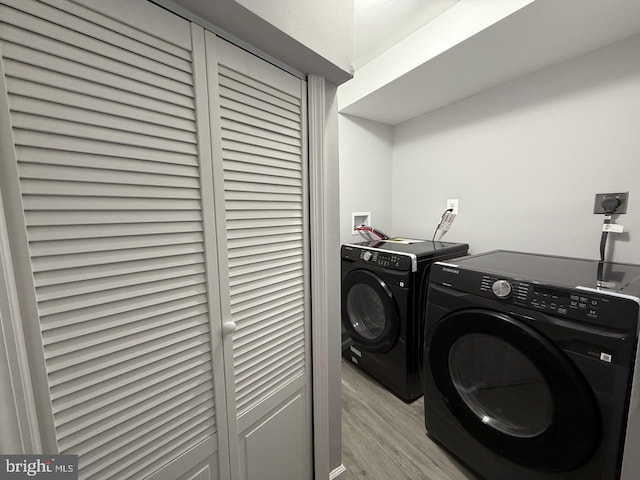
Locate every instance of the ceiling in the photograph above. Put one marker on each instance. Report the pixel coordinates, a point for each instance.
(381, 24)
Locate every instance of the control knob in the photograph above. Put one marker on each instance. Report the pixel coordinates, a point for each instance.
(366, 256)
(501, 288)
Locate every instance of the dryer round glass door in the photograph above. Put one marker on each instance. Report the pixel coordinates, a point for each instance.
(513, 390)
(506, 390)
(369, 312)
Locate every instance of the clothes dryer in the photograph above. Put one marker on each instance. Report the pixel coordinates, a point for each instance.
(383, 291)
(531, 366)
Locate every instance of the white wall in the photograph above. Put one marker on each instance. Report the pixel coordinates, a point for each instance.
(311, 37)
(325, 27)
(365, 151)
(400, 66)
(526, 158)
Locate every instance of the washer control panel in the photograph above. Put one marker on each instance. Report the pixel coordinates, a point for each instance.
(394, 261)
(383, 259)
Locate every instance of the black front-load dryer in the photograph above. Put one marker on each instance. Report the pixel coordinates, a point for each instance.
(530, 366)
(383, 285)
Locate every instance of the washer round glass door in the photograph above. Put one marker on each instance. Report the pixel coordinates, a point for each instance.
(369, 312)
(513, 390)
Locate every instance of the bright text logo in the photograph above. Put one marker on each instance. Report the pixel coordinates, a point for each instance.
(40, 467)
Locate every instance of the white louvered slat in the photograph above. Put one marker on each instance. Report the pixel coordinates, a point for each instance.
(17, 74)
(71, 174)
(64, 383)
(248, 348)
(119, 455)
(288, 370)
(261, 312)
(237, 94)
(170, 412)
(263, 124)
(62, 277)
(58, 320)
(65, 397)
(116, 121)
(153, 171)
(122, 31)
(263, 232)
(233, 225)
(40, 91)
(239, 136)
(51, 23)
(104, 125)
(116, 400)
(267, 358)
(46, 36)
(45, 140)
(110, 296)
(83, 68)
(71, 129)
(254, 88)
(58, 292)
(125, 217)
(246, 252)
(257, 160)
(172, 420)
(264, 205)
(122, 242)
(288, 254)
(250, 277)
(233, 148)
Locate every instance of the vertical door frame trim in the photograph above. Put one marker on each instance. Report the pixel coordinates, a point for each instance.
(26, 383)
(21, 410)
(200, 52)
(222, 260)
(319, 267)
(307, 262)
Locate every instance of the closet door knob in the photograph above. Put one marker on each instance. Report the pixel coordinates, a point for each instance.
(228, 327)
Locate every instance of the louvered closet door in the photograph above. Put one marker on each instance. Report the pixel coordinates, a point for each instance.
(117, 234)
(262, 204)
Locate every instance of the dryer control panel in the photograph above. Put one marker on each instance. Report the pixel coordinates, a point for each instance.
(579, 304)
(550, 299)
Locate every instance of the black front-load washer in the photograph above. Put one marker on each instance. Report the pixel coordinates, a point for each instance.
(382, 283)
(530, 363)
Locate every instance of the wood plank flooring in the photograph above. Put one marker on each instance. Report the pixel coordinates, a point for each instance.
(384, 438)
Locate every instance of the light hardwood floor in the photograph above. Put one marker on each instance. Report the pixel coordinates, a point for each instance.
(384, 438)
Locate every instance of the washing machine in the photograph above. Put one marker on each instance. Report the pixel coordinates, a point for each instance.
(383, 285)
(531, 368)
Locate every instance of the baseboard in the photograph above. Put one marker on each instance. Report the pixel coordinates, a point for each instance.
(336, 473)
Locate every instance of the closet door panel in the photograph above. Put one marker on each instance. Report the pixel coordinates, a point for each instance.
(262, 200)
(119, 249)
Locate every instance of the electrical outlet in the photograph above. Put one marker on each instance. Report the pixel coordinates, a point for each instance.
(622, 208)
(453, 204)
